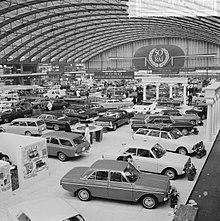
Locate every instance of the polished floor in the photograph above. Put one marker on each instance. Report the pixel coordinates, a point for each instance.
(101, 209)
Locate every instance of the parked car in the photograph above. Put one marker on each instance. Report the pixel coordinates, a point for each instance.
(13, 113)
(56, 93)
(115, 103)
(113, 119)
(152, 157)
(25, 126)
(177, 116)
(65, 144)
(44, 209)
(58, 121)
(117, 180)
(169, 102)
(171, 140)
(83, 114)
(200, 110)
(164, 122)
(144, 107)
(57, 104)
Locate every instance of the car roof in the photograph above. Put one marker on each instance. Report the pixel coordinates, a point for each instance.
(166, 129)
(62, 134)
(158, 116)
(54, 209)
(110, 165)
(140, 144)
(27, 119)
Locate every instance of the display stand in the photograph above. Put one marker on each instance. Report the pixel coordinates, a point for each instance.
(185, 212)
(96, 132)
(5, 179)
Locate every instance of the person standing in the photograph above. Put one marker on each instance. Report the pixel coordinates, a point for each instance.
(87, 135)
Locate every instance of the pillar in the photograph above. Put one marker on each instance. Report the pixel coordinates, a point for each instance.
(171, 90)
(144, 92)
(157, 91)
(184, 94)
(209, 120)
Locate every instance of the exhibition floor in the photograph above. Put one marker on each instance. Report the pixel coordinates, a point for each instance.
(99, 209)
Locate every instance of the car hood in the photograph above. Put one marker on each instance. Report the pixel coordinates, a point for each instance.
(153, 181)
(187, 141)
(73, 174)
(173, 158)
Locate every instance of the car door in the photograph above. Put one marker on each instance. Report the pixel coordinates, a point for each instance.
(119, 188)
(53, 146)
(23, 127)
(13, 127)
(145, 160)
(166, 140)
(98, 183)
(153, 135)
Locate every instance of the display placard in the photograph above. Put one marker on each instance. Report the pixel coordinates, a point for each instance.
(114, 75)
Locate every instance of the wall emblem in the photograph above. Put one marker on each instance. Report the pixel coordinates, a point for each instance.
(159, 57)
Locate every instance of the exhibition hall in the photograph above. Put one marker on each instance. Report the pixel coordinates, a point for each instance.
(109, 110)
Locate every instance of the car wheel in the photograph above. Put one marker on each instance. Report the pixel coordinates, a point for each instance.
(28, 133)
(115, 126)
(203, 117)
(128, 122)
(6, 120)
(171, 173)
(185, 131)
(84, 195)
(61, 156)
(193, 122)
(56, 127)
(182, 150)
(149, 202)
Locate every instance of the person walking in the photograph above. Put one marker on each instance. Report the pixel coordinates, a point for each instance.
(87, 135)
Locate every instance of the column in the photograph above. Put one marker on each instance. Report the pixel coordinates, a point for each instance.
(209, 120)
(144, 92)
(184, 94)
(157, 91)
(171, 90)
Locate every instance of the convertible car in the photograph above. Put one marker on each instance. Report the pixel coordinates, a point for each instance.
(117, 180)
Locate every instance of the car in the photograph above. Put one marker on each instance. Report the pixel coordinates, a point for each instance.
(177, 116)
(113, 119)
(44, 209)
(171, 140)
(56, 104)
(83, 114)
(58, 121)
(13, 113)
(56, 93)
(65, 144)
(25, 126)
(169, 102)
(152, 157)
(200, 110)
(119, 180)
(115, 103)
(145, 107)
(164, 122)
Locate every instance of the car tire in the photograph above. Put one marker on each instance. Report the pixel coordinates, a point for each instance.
(182, 150)
(193, 122)
(149, 202)
(171, 173)
(185, 131)
(56, 127)
(61, 156)
(84, 194)
(6, 120)
(27, 133)
(203, 117)
(115, 126)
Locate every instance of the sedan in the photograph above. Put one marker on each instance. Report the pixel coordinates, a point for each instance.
(171, 140)
(55, 209)
(152, 157)
(117, 180)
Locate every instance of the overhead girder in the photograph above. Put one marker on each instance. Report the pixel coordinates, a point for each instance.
(80, 29)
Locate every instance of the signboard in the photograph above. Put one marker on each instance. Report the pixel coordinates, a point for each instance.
(159, 57)
(114, 75)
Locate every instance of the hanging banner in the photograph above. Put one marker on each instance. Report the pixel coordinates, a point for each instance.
(105, 75)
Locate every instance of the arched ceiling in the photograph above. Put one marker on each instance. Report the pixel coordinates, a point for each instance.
(77, 30)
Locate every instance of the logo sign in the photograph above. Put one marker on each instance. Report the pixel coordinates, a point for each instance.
(114, 75)
(159, 57)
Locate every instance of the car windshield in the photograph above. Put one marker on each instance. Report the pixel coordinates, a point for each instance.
(131, 173)
(175, 134)
(75, 218)
(158, 150)
(40, 122)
